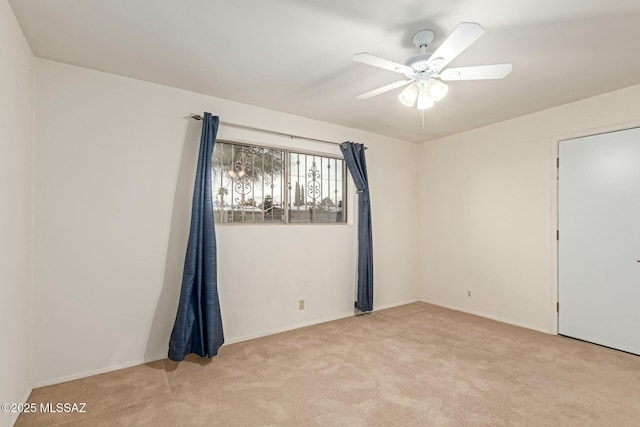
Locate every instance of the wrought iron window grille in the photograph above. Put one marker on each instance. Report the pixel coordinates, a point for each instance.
(257, 184)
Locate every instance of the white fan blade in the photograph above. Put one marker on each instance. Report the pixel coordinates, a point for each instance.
(480, 72)
(384, 89)
(376, 61)
(465, 34)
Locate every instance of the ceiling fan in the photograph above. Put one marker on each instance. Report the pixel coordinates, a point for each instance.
(425, 72)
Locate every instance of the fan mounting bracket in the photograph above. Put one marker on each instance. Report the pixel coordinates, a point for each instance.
(423, 38)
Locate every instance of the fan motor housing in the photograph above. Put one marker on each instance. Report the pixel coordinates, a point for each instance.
(419, 62)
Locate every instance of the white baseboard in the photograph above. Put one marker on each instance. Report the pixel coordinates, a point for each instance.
(111, 368)
(490, 316)
(287, 328)
(313, 322)
(384, 307)
(15, 415)
(130, 364)
(98, 371)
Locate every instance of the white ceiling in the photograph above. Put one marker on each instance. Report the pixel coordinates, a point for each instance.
(295, 55)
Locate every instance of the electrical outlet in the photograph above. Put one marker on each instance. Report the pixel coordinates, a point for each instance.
(300, 304)
(468, 294)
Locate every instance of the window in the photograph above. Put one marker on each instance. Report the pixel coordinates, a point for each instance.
(254, 184)
(316, 189)
(248, 183)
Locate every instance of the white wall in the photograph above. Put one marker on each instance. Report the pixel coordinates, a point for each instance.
(16, 134)
(488, 209)
(115, 161)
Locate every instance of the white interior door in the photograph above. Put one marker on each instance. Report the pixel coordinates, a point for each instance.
(599, 246)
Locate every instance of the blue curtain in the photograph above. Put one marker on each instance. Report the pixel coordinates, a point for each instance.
(357, 165)
(198, 326)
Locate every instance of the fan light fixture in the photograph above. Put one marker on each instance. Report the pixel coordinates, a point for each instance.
(424, 100)
(426, 93)
(409, 95)
(436, 89)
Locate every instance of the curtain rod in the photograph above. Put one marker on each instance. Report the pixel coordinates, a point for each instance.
(270, 132)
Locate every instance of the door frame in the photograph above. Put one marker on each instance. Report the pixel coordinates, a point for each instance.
(555, 202)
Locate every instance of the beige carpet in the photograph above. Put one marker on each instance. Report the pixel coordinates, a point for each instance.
(412, 365)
